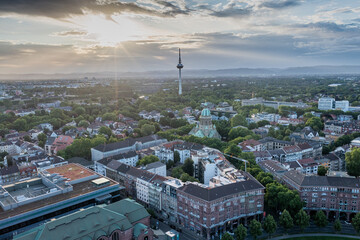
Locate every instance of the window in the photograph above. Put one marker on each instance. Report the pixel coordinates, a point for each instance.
(115, 236)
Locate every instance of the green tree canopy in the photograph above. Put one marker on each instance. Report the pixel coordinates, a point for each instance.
(286, 220)
(20, 124)
(356, 222)
(240, 232)
(337, 226)
(315, 123)
(79, 111)
(302, 219)
(188, 167)
(320, 219)
(269, 225)
(322, 170)
(176, 157)
(147, 159)
(353, 162)
(186, 177)
(227, 236)
(255, 228)
(237, 120)
(176, 172)
(147, 129)
(83, 123)
(105, 130)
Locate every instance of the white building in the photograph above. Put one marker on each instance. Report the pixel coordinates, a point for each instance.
(142, 190)
(48, 126)
(271, 117)
(326, 103)
(342, 105)
(208, 170)
(10, 148)
(164, 154)
(183, 153)
(156, 167)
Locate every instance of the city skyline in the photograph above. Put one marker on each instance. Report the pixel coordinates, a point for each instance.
(87, 35)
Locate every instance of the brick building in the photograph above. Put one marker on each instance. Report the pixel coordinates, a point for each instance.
(210, 211)
(336, 196)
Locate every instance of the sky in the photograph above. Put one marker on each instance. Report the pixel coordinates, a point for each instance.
(68, 36)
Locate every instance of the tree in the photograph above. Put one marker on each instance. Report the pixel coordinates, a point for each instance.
(278, 198)
(187, 178)
(240, 232)
(353, 162)
(227, 236)
(286, 220)
(176, 157)
(176, 172)
(302, 219)
(105, 130)
(320, 219)
(255, 228)
(169, 164)
(188, 166)
(42, 137)
(315, 123)
(27, 138)
(147, 129)
(147, 159)
(239, 132)
(237, 120)
(337, 226)
(356, 222)
(269, 225)
(322, 170)
(83, 123)
(20, 124)
(80, 111)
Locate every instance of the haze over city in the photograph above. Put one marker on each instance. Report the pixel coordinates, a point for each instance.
(68, 36)
(179, 120)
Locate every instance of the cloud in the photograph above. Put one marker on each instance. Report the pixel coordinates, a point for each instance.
(70, 33)
(332, 27)
(232, 12)
(276, 4)
(67, 8)
(162, 8)
(200, 50)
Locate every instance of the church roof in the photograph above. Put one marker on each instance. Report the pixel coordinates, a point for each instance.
(205, 112)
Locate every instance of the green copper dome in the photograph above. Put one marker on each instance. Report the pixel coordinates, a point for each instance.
(205, 112)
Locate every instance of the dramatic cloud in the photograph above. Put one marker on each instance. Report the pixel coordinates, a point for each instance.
(232, 12)
(280, 4)
(67, 8)
(141, 35)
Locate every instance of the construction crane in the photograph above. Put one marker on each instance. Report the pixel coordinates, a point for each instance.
(240, 159)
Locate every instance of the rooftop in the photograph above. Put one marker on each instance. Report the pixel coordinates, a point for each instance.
(126, 143)
(317, 181)
(211, 194)
(78, 190)
(72, 171)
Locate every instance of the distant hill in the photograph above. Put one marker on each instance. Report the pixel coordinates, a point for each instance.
(264, 72)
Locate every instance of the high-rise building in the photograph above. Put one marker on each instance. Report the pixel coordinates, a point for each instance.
(342, 105)
(326, 103)
(180, 66)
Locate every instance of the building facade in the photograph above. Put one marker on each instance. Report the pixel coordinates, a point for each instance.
(212, 211)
